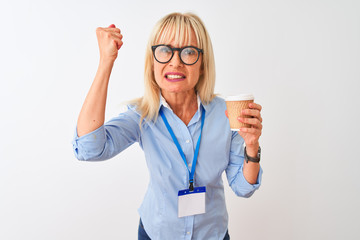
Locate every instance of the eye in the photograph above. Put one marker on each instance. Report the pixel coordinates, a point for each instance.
(164, 49)
(189, 51)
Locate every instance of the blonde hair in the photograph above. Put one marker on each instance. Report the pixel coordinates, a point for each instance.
(179, 27)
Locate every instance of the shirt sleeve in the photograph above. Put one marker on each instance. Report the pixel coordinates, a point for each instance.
(234, 170)
(108, 140)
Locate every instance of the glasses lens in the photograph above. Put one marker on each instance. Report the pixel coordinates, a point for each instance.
(189, 55)
(163, 53)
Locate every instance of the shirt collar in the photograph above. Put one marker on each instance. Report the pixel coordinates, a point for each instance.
(165, 104)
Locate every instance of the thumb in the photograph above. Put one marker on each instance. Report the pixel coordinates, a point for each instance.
(112, 26)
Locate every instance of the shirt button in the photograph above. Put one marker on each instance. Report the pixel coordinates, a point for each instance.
(188, 233)
(187, 141)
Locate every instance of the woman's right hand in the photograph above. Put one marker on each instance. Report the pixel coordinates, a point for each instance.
(110, 41)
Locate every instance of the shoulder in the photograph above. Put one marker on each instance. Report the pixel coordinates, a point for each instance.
(217, 104)
(135, 114)
(133, 110)
(218, 101)
(127, 113)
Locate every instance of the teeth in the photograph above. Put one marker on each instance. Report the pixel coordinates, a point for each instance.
(174, 76)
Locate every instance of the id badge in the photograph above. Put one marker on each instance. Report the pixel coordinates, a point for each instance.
(191, 202)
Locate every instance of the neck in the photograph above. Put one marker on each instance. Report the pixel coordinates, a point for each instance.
(183, 104)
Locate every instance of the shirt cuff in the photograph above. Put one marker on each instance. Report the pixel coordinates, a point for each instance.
(258, 180)
(245, 189)
(89, 145)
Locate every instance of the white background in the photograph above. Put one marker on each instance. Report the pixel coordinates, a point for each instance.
(301, 59)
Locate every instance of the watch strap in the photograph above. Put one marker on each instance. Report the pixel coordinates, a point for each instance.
(252, 159)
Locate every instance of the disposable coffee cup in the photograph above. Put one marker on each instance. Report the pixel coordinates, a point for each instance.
(235, 104)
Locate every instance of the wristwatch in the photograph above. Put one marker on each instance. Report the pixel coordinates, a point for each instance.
(251, 159)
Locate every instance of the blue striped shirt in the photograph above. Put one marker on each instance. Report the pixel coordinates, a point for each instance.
(220, 150)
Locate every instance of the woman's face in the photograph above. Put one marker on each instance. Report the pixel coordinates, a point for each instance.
(175, 76)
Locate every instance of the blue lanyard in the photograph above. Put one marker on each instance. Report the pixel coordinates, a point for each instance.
(192, 172)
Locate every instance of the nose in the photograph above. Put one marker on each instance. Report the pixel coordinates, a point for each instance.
(176, 61)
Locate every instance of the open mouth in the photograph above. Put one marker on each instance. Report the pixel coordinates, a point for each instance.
(174, 77)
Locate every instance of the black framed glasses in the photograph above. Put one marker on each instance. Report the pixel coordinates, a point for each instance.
(189, 55)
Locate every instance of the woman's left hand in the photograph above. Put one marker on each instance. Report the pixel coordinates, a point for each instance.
(251, 134)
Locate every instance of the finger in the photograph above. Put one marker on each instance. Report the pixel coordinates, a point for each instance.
(255, 106)
(118, 35)
(107, 31)
(254, 131)
(118, 43)
(251, 112)
(117, 30)
(252, 121)
(115, 35)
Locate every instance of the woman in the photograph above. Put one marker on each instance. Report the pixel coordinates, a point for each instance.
(182, 128)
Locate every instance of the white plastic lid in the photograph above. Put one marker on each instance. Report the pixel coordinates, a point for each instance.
(240, 97)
